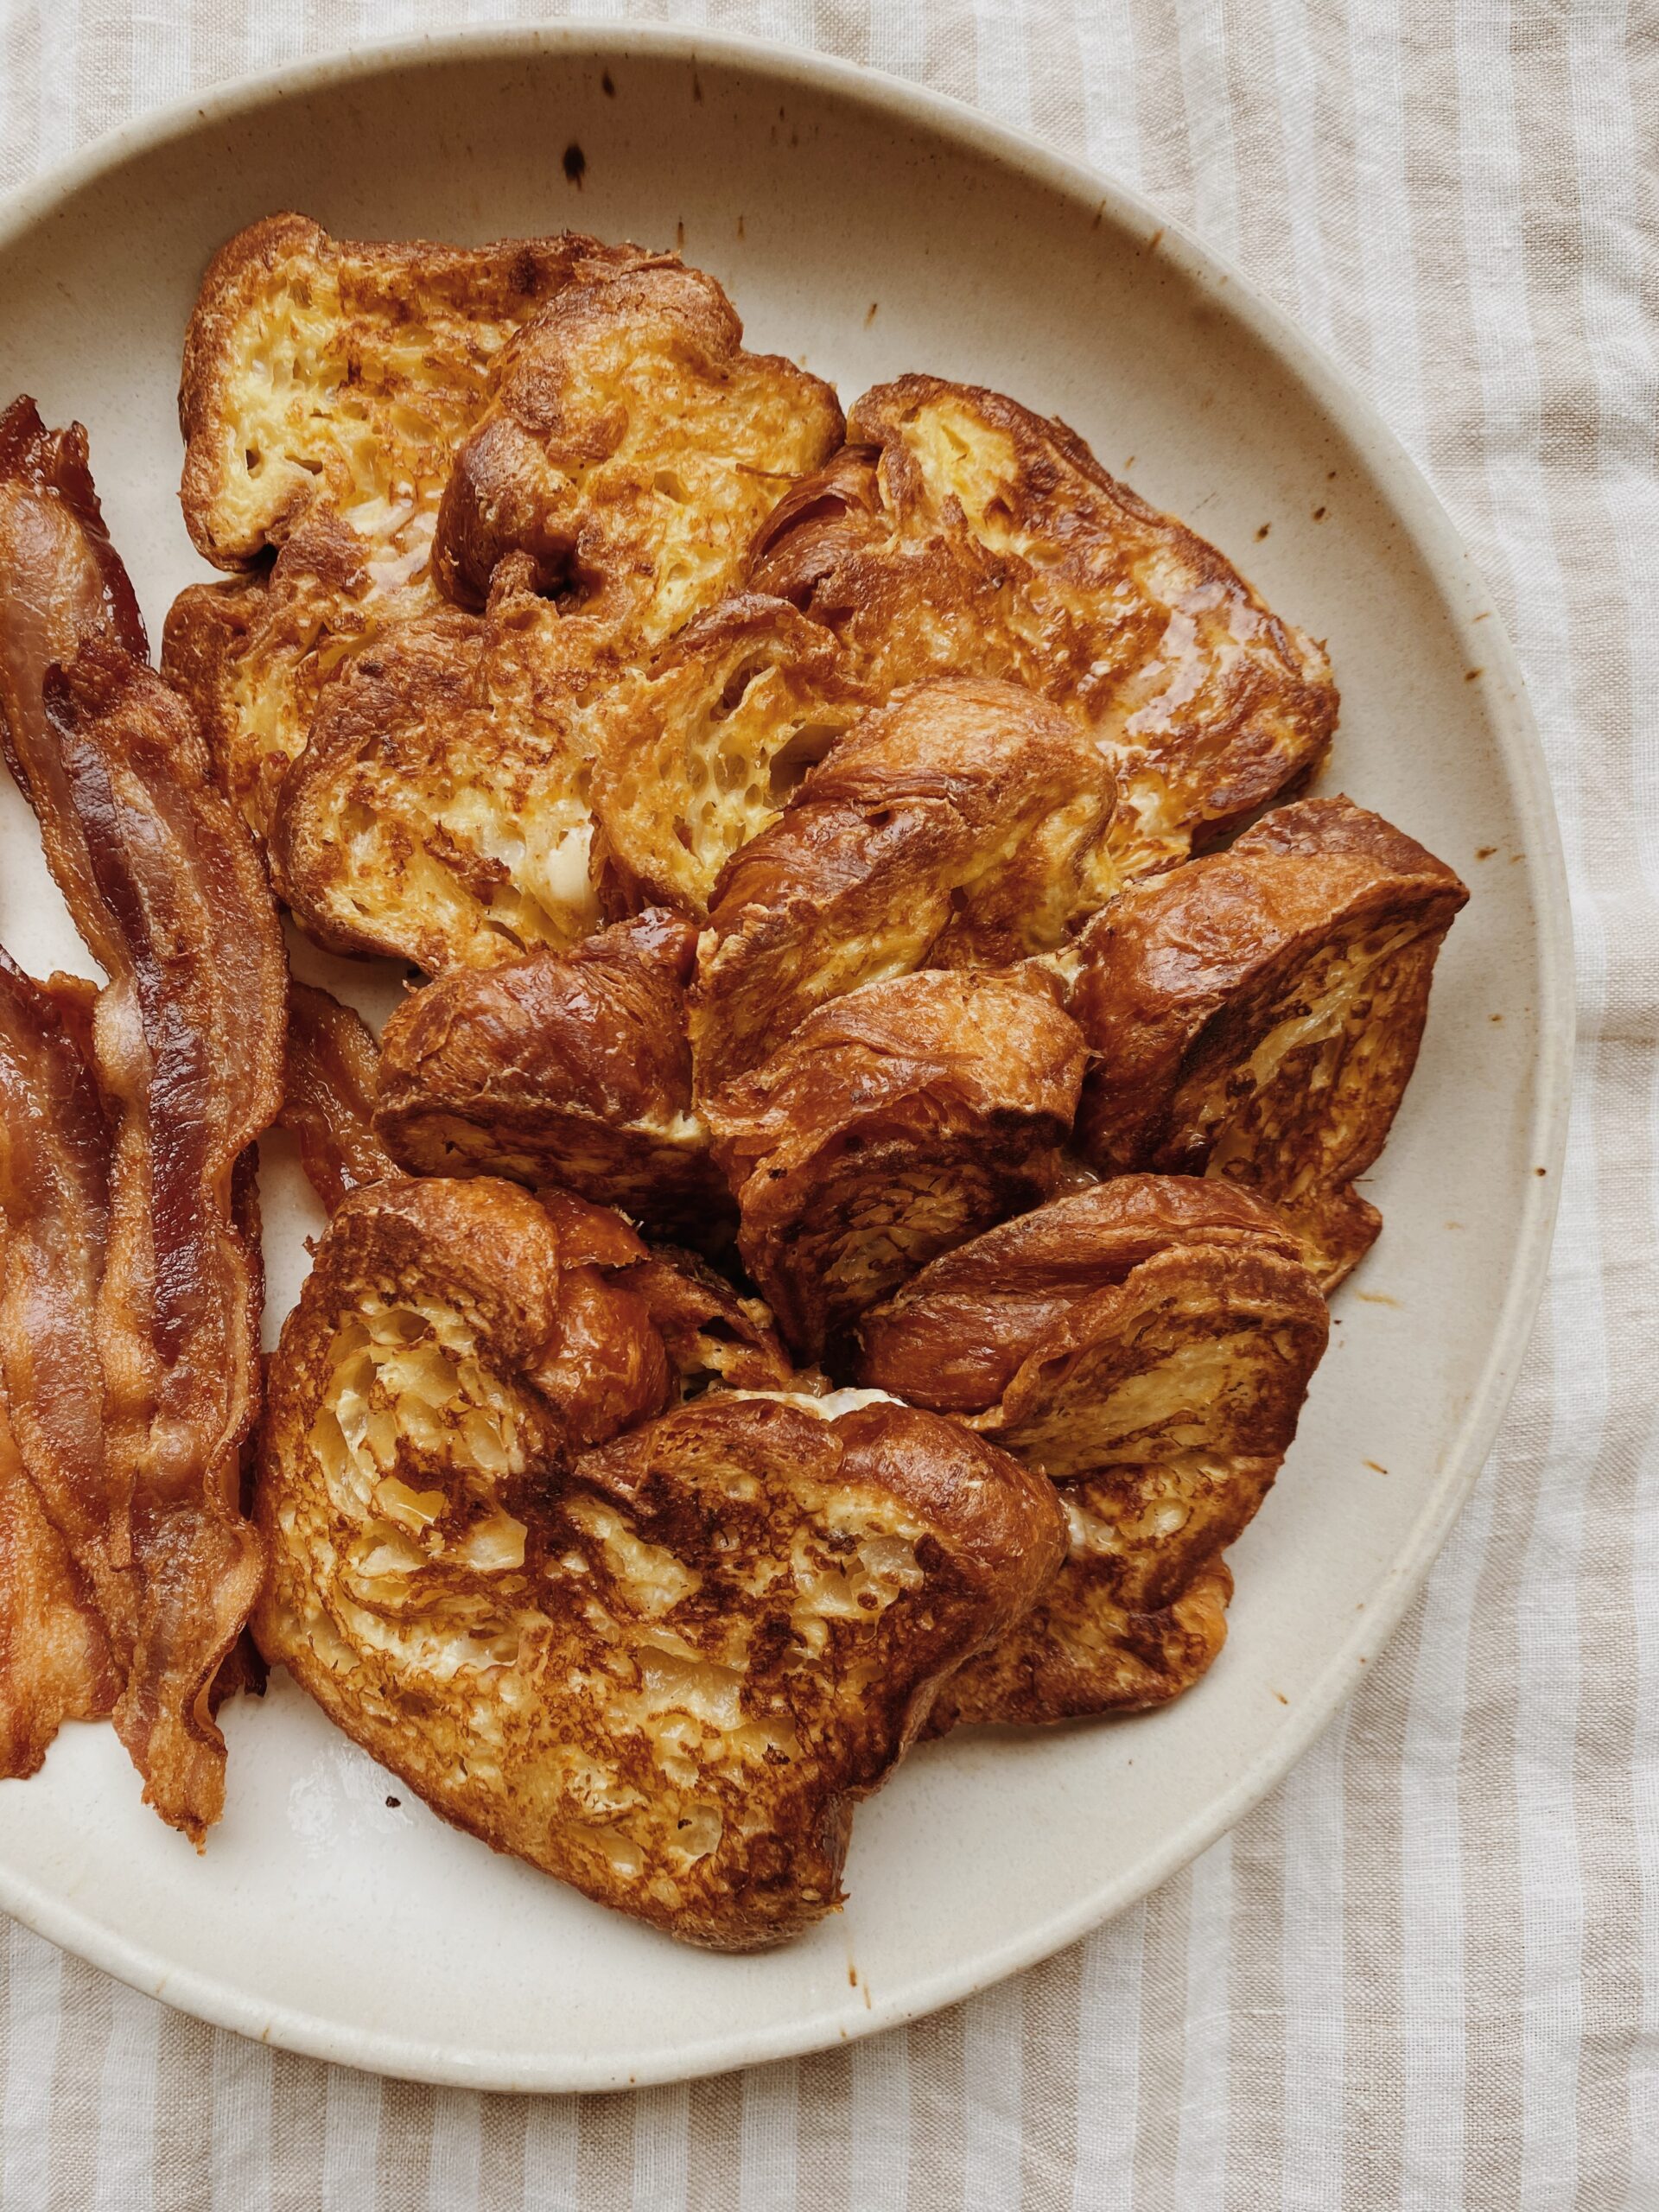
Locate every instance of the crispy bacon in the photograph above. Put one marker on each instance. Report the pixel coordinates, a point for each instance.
(62, 1603)
(332, 1076)
(164, 887)
(54, 1199)
(55, 1663)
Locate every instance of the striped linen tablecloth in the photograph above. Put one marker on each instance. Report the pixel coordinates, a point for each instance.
(1426, 1973)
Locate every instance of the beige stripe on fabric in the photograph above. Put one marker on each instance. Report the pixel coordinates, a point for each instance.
(1427, 1974)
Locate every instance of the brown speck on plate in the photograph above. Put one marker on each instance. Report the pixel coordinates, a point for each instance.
(607, 86)
(1262, 532)
(1471, 674)
(870, 313)
(575, 164)
(1484, 852)
(1377, 1466)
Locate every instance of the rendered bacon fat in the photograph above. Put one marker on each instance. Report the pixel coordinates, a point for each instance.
(165, 888)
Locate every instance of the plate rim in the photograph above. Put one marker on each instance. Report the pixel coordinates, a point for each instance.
(1466, 1450)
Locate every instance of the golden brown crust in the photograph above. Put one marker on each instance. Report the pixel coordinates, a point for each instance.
(694, 755)
(1256, 1015)
(572, 1068)
(630, 448)
(253, 655)
(1079, 1652)
(960, 533)
(327, 387)
(1148, 1345)
(964, 825)
(896, 1122)
(956, 1335)
(336, 369)
(662, 1669)
(438, 813)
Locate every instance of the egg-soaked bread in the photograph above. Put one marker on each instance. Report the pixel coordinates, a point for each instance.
(663, 1668)
(895, 1123)
(1148, 1344)
(1255, 1015)
(960, 534)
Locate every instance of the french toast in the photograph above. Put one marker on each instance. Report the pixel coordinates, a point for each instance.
(962, 825)
(695, 754)
(631, 448)
(1256, 1015)
(328, 385)
(895, 1123)
(570, 1068)
(254, 654)
(662, 1667)
(1148, 1344)
(592, 407)
(437, 813)
(958, 533)
(346, 372)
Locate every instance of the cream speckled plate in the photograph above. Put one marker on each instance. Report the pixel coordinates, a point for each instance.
(869, 229)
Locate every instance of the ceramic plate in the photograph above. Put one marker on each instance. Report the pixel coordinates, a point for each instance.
(868, 229)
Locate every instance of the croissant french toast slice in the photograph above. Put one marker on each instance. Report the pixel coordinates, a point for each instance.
(254, 654)
(956, 1335)
(694, 755)
(895, 1123)
(345, 370)
(438, 813)
(1148, 1344)
(631, 448)
(1256, 1015)
(958, 533)
(664, 1669)
(962, 825)
(569, 1068)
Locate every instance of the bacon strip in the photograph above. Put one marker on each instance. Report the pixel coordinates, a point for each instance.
(55, 1198)
(332, 1079)
(165, 888)
(55, 1663)
(62, 1602)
